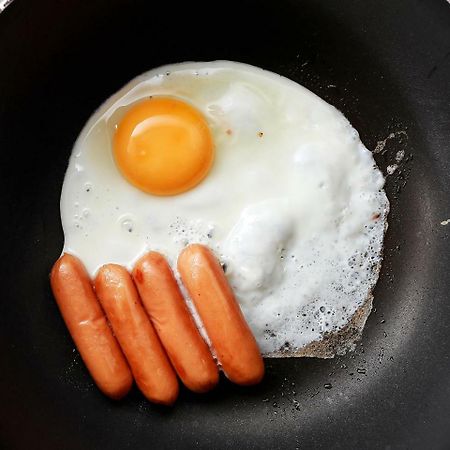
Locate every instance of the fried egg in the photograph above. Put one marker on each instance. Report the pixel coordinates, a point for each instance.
(271, 177)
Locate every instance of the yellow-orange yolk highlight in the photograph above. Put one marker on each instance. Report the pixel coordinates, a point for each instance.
(163, 146)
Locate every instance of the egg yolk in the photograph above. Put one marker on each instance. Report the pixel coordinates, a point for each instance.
(163, 146)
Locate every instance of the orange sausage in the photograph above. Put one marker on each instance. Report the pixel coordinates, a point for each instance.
(88, 326)
(151, 369)
(216, 304)
(162, 299)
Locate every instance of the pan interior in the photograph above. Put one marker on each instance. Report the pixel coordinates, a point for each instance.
(61, 60)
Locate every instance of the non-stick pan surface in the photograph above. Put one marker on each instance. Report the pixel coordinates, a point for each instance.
(386, 65)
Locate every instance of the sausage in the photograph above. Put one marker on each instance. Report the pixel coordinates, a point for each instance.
(88, 327)
(216, 304)
(164, 303)
(151, 369)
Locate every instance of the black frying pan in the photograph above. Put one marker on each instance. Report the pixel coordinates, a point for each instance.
(386, 65)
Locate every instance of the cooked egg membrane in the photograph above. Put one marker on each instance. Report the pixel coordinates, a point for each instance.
(293, 205)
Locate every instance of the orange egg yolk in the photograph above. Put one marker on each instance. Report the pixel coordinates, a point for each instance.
(163, 146)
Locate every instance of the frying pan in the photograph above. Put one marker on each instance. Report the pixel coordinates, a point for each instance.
(386, 65)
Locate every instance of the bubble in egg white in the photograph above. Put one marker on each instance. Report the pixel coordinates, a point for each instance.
(293, 205)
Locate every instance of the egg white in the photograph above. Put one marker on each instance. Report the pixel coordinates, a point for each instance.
(294, 204)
